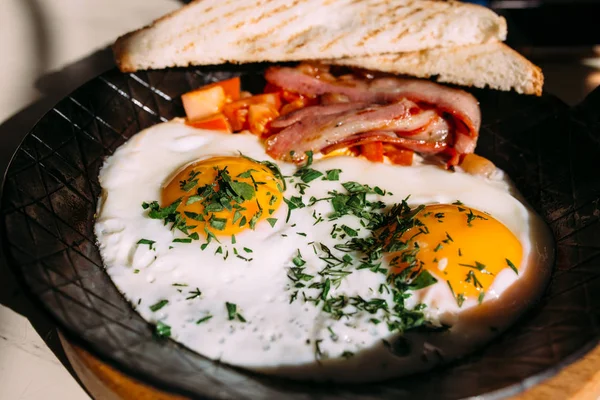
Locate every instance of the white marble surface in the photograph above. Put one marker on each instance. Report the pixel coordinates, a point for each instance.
(37, 38)
(48, 48)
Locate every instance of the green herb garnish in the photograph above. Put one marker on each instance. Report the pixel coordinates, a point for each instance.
(159, 305)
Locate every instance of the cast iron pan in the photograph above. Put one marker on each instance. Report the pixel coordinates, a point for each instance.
(551, 152)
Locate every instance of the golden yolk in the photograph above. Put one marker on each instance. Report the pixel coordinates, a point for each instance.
(463, 246)
(224, 195)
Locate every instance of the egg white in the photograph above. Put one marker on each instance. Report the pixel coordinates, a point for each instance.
(280, 337)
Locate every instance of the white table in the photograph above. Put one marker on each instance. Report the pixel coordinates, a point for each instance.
(38, 38)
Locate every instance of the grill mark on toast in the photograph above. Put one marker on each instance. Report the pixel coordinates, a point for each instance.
(194, 28)
(274, 11)
(246, 7)
(296, 36)
(268, 32)
(374, 32)
(187, 47)
(377, 4)
(332, 42)
(212, 21)
(422, 22)
(220, 17)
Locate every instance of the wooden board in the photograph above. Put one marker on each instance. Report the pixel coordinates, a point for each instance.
(580, 381)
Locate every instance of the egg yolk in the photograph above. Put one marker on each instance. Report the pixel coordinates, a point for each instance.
(462, 246)
(224, 195)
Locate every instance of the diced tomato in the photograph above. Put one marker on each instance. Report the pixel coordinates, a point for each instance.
(286, 96)
(290, 97)
(231, 87)
(270, 88)
(268, 98)
(238, 118)
(372, 151)
(259, 115)
(203, 102)
(399, 156)
(217, 122)
(210, 99)
(237, 111)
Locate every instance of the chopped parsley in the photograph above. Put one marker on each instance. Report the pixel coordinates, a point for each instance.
(150, 243)
(480, 298)
(478, 266)
(159, 305)
(194, 294)
(512, 266)
(347, 354)
(471, 278)
(188, 184)
(232, 312)
(162, 330)
(298, 261)
(272, 221)
(203, 319)
(460, 298)
(332, 175)
(471, 217)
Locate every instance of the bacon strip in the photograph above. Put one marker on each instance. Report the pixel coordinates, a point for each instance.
(420, 146)
(312, 131)
(462, 106)
(295, 116)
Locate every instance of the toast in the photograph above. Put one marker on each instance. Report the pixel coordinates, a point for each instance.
(493, 65)
(207, 32)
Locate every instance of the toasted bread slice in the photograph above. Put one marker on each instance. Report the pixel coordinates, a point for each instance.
(208, 32)
(493, 65)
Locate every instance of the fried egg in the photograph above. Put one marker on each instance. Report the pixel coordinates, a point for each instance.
(314, 272)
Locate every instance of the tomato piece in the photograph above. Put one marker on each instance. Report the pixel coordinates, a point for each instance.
(231, 87)
(237, 111)
(271, 88)
(286, 95)
(203, 102)
(268, 98)
(217, 122)
(372, 151)
(399, 156)
(210, 99)
(290, 97)
(259, 116)
(238, 118)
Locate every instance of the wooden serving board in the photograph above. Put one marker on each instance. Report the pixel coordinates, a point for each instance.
(579, 381)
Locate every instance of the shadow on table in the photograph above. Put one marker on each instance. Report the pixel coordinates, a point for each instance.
(53, 87)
